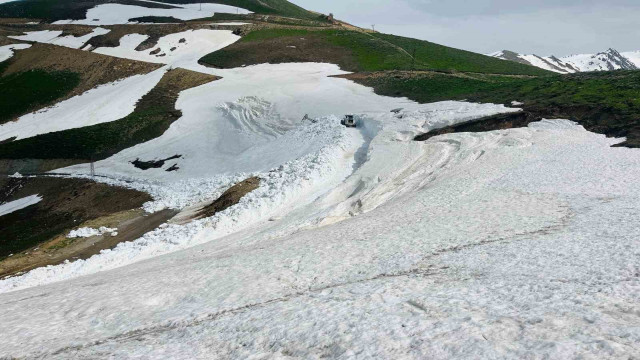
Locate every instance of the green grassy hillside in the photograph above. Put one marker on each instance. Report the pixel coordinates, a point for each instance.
(25, 91)
(357, 51)
(53, 10)
(266, 7)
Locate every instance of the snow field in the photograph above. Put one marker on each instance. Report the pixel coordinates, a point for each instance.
(7, 51)
(236, 136)
(359, 242)
(12, 206)
(115, 14)
(105, 103)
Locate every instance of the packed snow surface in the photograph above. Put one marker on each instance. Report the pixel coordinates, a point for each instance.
(105, 103)
(359, 243)
(11, 206)
(114, 14)
(7, 51)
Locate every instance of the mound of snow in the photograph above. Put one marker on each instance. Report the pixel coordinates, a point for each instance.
(87, 232)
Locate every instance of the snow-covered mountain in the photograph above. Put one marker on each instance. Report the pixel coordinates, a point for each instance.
(603, 61)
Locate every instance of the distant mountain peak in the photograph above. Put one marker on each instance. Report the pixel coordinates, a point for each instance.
(608, 60)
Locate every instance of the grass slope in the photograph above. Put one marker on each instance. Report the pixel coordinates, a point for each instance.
(153, 115)
(604, 102)
(52, 10)
(357, 51)
(266, 7)
(21, 92)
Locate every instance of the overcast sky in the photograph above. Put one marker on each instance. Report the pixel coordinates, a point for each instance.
(544, 27)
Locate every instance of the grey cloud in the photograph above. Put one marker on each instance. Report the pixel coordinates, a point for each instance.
(545, 27)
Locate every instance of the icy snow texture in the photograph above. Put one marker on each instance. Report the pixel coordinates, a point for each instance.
(86, 232)
(114, 14)
(7, 51)
(8, 208)
(108, 102)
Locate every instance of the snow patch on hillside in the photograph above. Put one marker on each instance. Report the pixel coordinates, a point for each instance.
(182, 49)
(7, 51)
(115, 14)
(12, 206)
(106, 103)
(53, 37)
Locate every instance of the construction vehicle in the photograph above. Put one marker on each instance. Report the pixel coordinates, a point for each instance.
(349, 121)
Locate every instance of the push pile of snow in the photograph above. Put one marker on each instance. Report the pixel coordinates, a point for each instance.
(114, 14)
(86, 232)
(11, 206)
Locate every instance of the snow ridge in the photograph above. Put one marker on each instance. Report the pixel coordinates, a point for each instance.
(605, 61)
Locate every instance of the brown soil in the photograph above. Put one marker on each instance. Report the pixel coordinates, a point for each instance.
(66, 203)
(131, 225)
(308, 48)
(94, 69)
(230, 197)
(490, 123)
